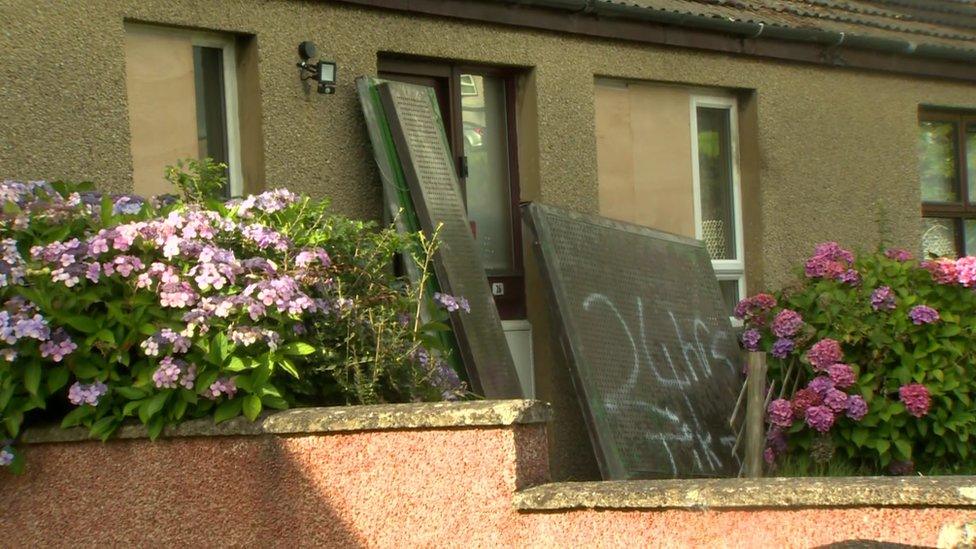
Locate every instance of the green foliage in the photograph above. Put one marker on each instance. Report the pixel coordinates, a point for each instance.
(165, 310)
(886, 351)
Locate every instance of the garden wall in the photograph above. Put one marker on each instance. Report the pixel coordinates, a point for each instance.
(423, 474)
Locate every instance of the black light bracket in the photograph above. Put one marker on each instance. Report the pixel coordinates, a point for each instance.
(322, 72)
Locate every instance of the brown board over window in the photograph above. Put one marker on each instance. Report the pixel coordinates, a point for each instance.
(641, 320)
(418, 136)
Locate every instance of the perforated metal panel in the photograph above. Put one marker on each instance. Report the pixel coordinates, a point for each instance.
(643, 325)
(421, 146)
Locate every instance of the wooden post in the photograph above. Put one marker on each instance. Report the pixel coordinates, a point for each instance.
(755, 414)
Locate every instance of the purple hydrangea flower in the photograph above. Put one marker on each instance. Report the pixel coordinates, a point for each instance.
(850, 277)
(836, 400)
(309, 256)
(898, 254)
(923, 314)
(451, 303)
(58, 347)
(787, 323)
(842, 375)
(446, 379)
(86, 393)
(820, 418)
(857, 408)
(821, 385)
(6, 456)
(916, 398)
(750, 339)
(780, 412)
(882, 299)
(223, 386)
(173, 372)
(824, 353)
(783, 347)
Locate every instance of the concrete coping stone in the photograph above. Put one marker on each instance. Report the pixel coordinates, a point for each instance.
(730, 493)
(297, 421)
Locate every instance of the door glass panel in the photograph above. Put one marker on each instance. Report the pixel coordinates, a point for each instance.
(937, 161)
(488, 197)
(938, 237)
(716, 179)
(209, 83)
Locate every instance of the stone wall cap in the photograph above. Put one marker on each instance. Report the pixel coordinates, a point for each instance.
(424, 415)
(947, 491)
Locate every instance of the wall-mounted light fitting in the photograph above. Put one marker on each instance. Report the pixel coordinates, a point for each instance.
(323, 72)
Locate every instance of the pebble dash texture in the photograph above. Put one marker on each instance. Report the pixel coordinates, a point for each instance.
(461, 485)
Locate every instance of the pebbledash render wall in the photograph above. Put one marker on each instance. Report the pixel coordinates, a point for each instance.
(405, 475)
(822, 145)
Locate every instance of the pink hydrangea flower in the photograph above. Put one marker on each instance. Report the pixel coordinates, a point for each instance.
(898, 254)
(780, 412)
(787, 323)
(943, 270)
(966, 271)
(820, 418)
(916, 398)
(824, 353)
(841, 374)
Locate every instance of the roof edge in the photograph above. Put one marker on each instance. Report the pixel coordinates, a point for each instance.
(661, 27)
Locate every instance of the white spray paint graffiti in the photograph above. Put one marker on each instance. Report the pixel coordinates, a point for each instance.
(699, 354)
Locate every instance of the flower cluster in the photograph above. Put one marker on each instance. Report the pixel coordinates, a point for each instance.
(923, 314)
(134, 309)
(916, 399)
(451, 303)
(86, 393)
(871, 339)
(829, 260)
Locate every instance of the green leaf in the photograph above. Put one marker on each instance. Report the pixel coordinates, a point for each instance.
(882, 445)
(130, 393)
(76, 416)
(155, 427)
(57, 378)
(86, 369)
(276, 402)
(147, 329)
(106, 336)
(859, 436)
(104, 427)
(289, 367)
(252, 407)
(904, 448)
(236, 364)
(32, 377)
(298, 348)
(228, 410)
(84, 324)
(152, 406)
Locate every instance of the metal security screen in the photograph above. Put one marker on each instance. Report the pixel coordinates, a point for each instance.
(421, 146)
(643, 324)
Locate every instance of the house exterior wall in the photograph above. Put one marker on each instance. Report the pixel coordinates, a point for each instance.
(828, 144)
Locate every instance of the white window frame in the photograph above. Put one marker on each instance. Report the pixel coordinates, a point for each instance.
(228, 47)
(725, 269)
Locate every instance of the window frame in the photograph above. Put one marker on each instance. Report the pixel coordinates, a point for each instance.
(725, 269)
(965, 207)
(228, 46)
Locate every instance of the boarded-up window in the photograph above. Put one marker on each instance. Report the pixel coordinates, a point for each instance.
(181, 90)
(667, 159)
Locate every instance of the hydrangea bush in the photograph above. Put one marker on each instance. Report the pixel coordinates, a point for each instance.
(883, 359)
(116, 307)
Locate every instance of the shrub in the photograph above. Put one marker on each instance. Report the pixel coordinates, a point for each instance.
(878, 357)
(116, 307)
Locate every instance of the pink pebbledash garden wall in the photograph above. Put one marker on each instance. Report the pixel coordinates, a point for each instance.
(462, 474)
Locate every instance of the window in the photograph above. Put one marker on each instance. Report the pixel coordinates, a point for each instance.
(182, 99)
(476, 104)
(716, 189)
(947, 175)
(667, 158)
